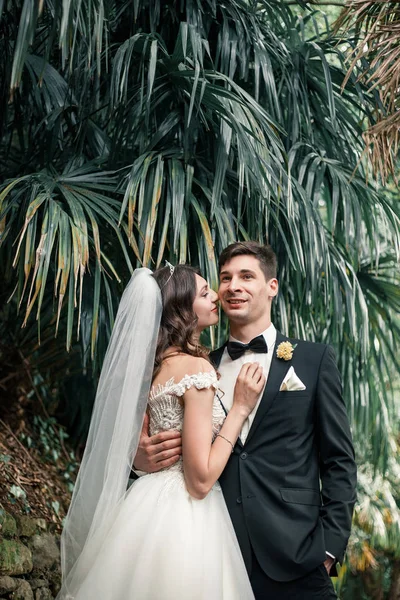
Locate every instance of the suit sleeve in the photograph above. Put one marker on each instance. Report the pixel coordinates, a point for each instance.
(338, 469)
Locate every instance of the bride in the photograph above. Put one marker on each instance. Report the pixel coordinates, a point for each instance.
(169, 536)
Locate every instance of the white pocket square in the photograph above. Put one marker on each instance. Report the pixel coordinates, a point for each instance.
(291, 383)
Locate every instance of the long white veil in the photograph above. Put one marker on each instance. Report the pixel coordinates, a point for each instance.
(115, 428)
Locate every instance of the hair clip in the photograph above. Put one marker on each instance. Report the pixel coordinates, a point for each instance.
(171, 267)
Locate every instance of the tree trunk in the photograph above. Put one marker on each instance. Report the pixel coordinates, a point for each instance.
(394, 591)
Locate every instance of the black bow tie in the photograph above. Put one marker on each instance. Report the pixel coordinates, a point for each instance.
(236, 350)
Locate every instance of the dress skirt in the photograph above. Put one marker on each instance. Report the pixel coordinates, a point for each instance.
(164, 544)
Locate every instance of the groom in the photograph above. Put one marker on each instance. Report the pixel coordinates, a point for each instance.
(290, 482)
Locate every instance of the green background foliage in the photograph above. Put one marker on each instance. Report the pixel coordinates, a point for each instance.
(138, 131)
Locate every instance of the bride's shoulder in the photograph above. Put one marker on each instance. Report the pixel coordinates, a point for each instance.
(194, 364)
(186, 371)
(186, 364)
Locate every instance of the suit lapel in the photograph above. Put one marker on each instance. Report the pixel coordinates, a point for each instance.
(276, 374)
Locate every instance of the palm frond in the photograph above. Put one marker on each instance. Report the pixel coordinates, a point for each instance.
(59, 218)
(376, 29)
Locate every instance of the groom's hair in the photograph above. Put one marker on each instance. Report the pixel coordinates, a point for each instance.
(264, 254)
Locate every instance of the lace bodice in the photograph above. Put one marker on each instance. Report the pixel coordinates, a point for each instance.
(166, 410)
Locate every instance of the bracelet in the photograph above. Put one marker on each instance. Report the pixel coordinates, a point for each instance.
(226, 439)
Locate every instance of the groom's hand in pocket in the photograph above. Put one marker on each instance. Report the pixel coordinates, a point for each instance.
(328, 564)
(158, 451)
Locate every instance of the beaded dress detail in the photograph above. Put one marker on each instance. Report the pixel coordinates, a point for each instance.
(165, 405)
(164, 544)
(165, 408)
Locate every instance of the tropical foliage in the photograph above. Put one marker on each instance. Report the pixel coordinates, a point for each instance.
(137, 131)
(372, 568)
(375, 29)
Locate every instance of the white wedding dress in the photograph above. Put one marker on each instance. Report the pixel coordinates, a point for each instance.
(163, 543)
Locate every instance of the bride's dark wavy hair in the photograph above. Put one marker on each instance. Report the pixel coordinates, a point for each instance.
(178, 319)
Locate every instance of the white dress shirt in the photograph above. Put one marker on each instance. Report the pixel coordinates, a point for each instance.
(229, 370)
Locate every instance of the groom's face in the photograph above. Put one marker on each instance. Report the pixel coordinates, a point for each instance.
(244, 293)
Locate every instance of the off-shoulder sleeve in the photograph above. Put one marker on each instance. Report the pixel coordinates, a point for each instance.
(200, 381)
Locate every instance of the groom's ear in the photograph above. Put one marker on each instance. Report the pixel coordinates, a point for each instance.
(273, 288)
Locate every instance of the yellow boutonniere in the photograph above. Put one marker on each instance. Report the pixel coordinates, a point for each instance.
(285, 350)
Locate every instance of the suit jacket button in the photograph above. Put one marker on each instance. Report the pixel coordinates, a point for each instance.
(243, 455)
(239, 500)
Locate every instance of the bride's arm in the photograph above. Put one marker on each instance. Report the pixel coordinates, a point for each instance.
(204, 461)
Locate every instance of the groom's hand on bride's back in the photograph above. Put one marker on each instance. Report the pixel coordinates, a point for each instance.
(158, 451)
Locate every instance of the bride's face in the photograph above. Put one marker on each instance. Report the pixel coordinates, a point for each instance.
(205, 304)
